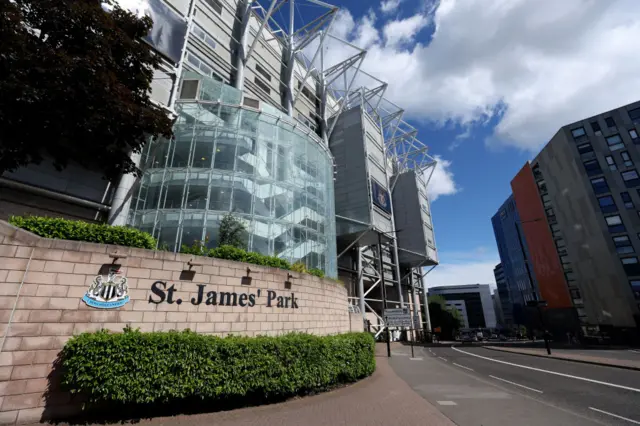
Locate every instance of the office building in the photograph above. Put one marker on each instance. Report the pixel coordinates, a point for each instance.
(266, 129)
(502, 299)
(579, 205)
(497, 308)
(476, 299)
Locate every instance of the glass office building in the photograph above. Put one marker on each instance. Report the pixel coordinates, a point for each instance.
(253, 161)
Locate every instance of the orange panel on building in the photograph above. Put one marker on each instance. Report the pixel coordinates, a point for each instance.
(545, 263)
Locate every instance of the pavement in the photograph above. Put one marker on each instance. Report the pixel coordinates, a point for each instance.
(383, 399)
(477, 386)
(629, 358)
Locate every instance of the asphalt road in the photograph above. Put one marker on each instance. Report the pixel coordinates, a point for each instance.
(477, 386)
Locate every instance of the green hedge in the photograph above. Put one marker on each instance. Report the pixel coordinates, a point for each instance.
(161, 367)
(77, 230)
(236, 254)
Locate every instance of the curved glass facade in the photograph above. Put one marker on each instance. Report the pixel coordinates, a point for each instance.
(268, 170)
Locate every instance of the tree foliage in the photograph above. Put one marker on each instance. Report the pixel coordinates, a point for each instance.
(232, 232)
(449, 320)
(74, 84)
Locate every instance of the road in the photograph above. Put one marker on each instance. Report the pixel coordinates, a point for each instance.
(477, 386)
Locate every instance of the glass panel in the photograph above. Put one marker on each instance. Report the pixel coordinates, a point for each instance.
(255, 164)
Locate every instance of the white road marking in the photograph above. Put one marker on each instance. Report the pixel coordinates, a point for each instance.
(442, 359)
(515, 384)
(549, 372)
(631, 350)
(462, 366)
(446, 403)
(615, 415)
(419, 358)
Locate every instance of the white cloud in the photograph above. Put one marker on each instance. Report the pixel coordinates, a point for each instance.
(388, 6)
(442, 181)
(458, 268)
(534, 66)
(464, 273)
(404, 30)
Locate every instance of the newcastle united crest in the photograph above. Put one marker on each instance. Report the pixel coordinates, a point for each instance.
(107, 292)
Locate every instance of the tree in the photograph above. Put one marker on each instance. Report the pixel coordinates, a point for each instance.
(232, 232)
(449, 320)
(74, 84)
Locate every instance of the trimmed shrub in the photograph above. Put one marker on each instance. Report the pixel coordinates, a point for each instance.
(299, 267)
(240, 255)
(316, 272)
(136, 367)
(76, 230)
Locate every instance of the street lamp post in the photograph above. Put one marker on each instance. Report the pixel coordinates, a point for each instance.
(536, 301)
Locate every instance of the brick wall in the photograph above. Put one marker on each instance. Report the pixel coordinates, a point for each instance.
(43, 281)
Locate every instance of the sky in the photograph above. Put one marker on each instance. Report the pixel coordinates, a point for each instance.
(487, 83)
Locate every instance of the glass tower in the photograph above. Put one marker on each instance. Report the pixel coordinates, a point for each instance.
(270, 171)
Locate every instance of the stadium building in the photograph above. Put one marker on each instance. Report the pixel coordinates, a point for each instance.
(300, 145)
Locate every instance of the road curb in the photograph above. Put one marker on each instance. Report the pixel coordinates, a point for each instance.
(582, 361)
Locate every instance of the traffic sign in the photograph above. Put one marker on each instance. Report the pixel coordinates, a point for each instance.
(397, 317)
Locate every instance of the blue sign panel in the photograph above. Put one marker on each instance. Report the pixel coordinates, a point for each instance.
(380, 196)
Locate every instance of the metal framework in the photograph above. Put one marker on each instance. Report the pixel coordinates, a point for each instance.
(344, 85)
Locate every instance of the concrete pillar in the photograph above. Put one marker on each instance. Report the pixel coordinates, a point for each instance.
(244, 12)
(121, 203)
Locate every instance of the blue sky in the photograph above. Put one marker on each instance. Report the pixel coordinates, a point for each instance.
(487, 83)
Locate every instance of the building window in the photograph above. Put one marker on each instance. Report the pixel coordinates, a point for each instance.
(542, 187)
(633, 134)
(189, 89)
(201, 66)
(575, 293)
(251, 102)
(628, 202)
(623, 244)
(205, 36)
(592, 167)
(607, 204)
(578, 132)
(569, 276)
(215, 5)
(635, 287)
(537, 174)
(586, 151)
(261, 84)
(305, 91)
(264, 72)
(630, 178)
(615, 223)
(595, 126)
(611, 162)
(630, 265)
(599, 185)
(626, 158)
(615, 142)
(610, 123)
(634, 115)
